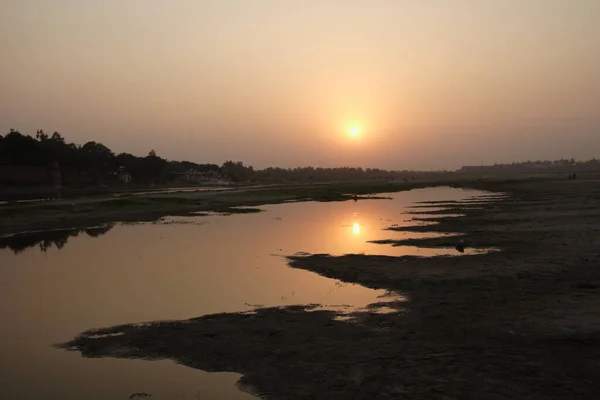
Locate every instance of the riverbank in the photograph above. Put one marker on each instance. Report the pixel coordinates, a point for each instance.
(521, 323)
(149, 206)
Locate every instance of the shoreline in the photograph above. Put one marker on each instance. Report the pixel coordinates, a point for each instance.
(520, 323)
(93, 211)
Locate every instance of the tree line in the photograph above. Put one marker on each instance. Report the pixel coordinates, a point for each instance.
(93, 158)
(561, 166)
(97, 160)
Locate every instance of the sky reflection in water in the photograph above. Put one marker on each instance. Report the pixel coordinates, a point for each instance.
(57, 286)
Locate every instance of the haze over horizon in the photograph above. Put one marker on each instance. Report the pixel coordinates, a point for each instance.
(388, 83)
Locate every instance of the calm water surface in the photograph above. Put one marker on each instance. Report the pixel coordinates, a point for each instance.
(56, 285)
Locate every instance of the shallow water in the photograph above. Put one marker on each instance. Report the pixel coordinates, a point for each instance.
(56, 285)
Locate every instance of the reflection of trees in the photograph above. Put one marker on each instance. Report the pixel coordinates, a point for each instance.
(98, 230)
(46, 240)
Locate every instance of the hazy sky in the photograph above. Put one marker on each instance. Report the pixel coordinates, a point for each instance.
(432, 84)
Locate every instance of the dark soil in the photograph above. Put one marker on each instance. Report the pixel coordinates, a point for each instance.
(521, 323)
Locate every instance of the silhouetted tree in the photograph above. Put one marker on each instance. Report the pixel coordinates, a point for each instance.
(98, 158)
(236, 171)
(18, 149)
(153, 166)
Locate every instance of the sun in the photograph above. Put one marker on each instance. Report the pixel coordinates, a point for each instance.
(354, 131)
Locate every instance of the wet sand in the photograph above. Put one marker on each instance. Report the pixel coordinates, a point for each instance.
(520, 323)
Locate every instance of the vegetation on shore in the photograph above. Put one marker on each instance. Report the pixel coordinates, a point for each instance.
(85, 168)
(83, 212)
(93, 163)
(73, 213)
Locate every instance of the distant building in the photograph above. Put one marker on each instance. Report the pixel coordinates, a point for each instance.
(123, 175)
(193, 175)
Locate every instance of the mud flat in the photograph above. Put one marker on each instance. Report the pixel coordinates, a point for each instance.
(522, 322)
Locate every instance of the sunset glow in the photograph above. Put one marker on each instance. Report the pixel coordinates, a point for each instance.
(354, 130)
(333, 199)
(394, 85)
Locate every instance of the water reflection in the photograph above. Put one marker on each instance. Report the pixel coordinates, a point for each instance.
(48, 239)
(148, 272)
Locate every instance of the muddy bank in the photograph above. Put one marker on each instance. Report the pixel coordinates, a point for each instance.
(521, 323)
(84, 212)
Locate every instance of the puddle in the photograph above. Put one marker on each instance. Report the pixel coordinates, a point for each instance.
(55, 285)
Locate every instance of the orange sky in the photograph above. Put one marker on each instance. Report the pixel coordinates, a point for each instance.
(432, 84)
